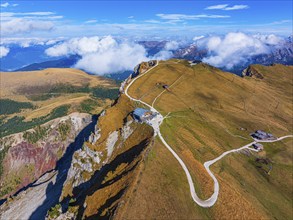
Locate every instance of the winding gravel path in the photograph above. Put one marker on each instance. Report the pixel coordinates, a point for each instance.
(157, 121)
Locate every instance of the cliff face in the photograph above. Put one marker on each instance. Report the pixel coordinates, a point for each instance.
(104, 170)
(95, 179)
(30, 154)
(107, 164)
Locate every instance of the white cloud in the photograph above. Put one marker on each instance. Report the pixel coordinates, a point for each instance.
(216, 7)
(27, 22)
(5, 5)
(27, 42)
(236, 48)
(131, 17)
(91, 21)
(152, 21)
(19, 25)
(3, 51)
(20, 14)
(53, 41)
(176, 16)
(101, 55)
(236, 7)
(270, 39)
(163, 55)
(38, 15)
(172, 45)
(226, 7)
(167, 52)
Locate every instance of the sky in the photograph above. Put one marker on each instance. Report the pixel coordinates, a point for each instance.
(143, 19)
(105, 34)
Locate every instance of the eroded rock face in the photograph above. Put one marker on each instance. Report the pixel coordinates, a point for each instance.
(83, 161)
(31, 154)
(36, 159)
(111, 141)
(127, 130)
(96, 153)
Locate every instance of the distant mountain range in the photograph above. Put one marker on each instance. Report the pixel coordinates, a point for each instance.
(22, 56)
(18, 57)
(153, 47)
(283, 54)
(64, 62)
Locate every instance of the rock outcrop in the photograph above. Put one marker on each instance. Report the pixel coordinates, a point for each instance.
(252, 72)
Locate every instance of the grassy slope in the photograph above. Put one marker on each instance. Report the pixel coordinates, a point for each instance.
(207, 107)
(270, 195)
(12, 81)
(48, 89)
(162, 191)
(20, 86)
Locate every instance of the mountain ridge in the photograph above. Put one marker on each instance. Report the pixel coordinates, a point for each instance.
(112, 175)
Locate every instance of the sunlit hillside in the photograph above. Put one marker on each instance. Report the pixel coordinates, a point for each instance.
(208, 112)
(35, 95)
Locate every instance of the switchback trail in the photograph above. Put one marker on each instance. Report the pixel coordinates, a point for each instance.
(157, 121)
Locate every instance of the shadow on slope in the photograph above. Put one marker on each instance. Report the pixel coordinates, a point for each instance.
(54, 190)
(96, 182)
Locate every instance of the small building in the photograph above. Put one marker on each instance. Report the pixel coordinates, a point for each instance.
(142, 115)
(258, 146)
(262, 135)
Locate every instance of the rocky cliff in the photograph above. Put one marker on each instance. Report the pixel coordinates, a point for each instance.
(30, 154)
(92, 181)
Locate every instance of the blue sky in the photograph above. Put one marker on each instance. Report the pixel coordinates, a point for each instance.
(162, 19)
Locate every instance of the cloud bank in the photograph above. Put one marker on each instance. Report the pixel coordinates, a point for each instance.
(101, 55)
(104, 55)
(167, 51)
(28, 42)
(236, 48)
(19, 25)
(27, 22)
(3, 51)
